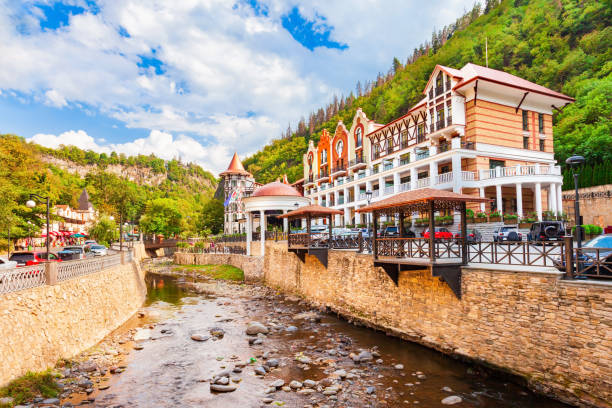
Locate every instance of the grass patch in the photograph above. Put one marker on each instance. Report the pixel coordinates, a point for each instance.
(30, 386)
(225, 272)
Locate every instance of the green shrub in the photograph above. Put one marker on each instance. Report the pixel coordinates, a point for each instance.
(480, 214)
(469, 213)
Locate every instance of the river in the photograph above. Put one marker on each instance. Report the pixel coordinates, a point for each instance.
(166, 368)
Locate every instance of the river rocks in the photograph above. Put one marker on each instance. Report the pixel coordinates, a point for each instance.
(309, 383)
(302, 359)
(447, 389)
(306, 391)
(142, 334)
(217, 332)
(199, 337)
(340, 373)
(259, 370)
(452, 400)
(295, 385)
(277, 383)
(362, 357)
(291, 329)
(51, 401)
(272, 363)
(222, 381)
(270, 390)
(333, 390)
(370, 390)
(255, 328)
(399, 366)
(138, 346)
(223, 388)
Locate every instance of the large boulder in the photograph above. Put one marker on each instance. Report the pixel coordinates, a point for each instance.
(254, 328)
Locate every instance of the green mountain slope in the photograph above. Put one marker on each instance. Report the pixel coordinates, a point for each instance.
(116, 184)
(561, 44)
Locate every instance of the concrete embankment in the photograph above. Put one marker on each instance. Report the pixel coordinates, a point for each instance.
(43, 324)
(529, 322)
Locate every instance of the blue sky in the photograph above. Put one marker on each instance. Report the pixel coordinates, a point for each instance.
(197, 80)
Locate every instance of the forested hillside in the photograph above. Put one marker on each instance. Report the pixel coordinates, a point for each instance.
(169, 198)
(561, 44)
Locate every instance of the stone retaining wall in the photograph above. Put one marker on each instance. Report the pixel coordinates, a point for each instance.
(50, 322)
(252, 266)
(556, 334)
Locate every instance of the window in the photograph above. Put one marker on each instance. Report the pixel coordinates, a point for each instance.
(339, 148)
(420, 132)
(541, 145)
(323, 157)
(540, 123)
(449, 111)
(525, 120)
(525, 142)
(389, 145)
(445, 169)
(496, 163)
(439, 88)
(358, 137)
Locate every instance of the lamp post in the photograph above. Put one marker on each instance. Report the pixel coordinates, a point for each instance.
(574, 162)
(31, 204)
(369, 198)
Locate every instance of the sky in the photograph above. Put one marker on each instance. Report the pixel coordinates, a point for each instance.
(193, 79)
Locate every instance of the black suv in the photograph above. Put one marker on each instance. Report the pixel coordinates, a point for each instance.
(546, 231)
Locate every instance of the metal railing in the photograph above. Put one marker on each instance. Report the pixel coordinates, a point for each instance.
(519, 170)
(25, 277)
(306, 240)
(323, 174)
(356, 161)
(339, 167)
(72, 269)
(422, 154)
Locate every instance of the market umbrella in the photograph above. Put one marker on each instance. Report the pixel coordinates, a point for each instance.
(78, 235)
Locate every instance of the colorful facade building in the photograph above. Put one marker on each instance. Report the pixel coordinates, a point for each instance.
(477, 131)
(237, 184)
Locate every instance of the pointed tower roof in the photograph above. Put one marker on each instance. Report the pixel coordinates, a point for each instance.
(236, 167)
(285, 181)
(84, 203)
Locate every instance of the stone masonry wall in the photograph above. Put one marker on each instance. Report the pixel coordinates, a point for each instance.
(252, 266)
(554, 333)
(47, 323)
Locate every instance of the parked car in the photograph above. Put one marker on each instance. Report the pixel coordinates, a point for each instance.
(91, 242)
(32, 258)
(439, 233)
(83, 251)
(99, 250)
(507, 233)
(68, 255)
(6, 264)
(473, 236)
(588, 256)
(390, 232)
(546, 231)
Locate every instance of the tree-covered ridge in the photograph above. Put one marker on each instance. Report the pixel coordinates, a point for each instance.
(23, 171)
(561, 44)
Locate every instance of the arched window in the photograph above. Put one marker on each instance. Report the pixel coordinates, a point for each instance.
(358, 137)
(323, 157)
(339, 148)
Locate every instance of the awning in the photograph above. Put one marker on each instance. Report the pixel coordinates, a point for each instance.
(313, 211)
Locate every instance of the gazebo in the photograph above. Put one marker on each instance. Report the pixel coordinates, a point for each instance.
(270, 199)
(444, 257)
(313, 243)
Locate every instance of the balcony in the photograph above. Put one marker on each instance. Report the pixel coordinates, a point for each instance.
(358, 161)
(405, 187)
(468, 175)
(375, 193)
(468, 145)
(388, 190)
(387, 165)
(520, 170)
(444, 147)
(423, 154)
(340, 200)
(404, 160)
(324, 174)
(444, 178)
(424, 182)
(339, 168)
(310, 179)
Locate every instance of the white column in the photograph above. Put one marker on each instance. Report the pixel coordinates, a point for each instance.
(249, 229)
(538, 200)
(414, 174)
(482, 195)
(559, 199)
(519, 200)
(347, 215)
(346, 194)
(412, 155)
(327, 199)
(498, 193)
(357, 217)
(396, 182)
(381, 186)
(356, 193)
(433, 173)
(457, 179)
(368, 186)
(285, 222)
(552, 198)
(336, 198)
(262, 231)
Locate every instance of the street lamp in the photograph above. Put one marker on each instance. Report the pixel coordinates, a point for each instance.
(575, 162)
(369, 198)
(31, 204)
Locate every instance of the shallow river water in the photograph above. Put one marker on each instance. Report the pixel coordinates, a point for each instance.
(172, 370)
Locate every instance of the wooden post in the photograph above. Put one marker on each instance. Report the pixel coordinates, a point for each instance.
(374, 238)
(568, 242)
(360, 241)
(288, 230)
(401, 224)
(464, 254)
(432, 232)
(329, 240)
(308, 230)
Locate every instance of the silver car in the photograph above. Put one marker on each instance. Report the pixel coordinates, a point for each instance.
(507, 233)
(99, 250)
(6, 264)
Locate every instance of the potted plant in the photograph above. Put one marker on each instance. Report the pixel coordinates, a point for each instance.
(548, 215)
(469, 215)
(494, 216)
(448, 220)
(510, 219)
(481, 217)
(526, 222)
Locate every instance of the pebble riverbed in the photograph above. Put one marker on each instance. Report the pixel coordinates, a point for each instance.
(206, 343)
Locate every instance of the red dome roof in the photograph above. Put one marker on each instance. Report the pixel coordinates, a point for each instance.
(276, 188)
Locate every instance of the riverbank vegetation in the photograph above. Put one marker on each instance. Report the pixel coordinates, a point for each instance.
(225, 272)
(29, 386)
(561, 44)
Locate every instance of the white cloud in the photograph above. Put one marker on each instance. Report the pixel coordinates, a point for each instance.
(220, 61)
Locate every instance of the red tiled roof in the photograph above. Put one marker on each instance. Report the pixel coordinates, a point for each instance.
(472, 72)
(235, 167)
(314, 210)
(276, 188)
(421, 195)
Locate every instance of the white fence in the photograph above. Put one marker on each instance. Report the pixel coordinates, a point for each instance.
(13, 280)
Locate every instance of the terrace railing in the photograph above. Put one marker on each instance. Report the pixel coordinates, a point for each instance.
(517, 253)
(593, 262)
(306, 240)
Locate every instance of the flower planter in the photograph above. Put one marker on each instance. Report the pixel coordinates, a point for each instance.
(495, 219)
(480, 220)
(511, 221)
(471, 220)
(525, 225)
